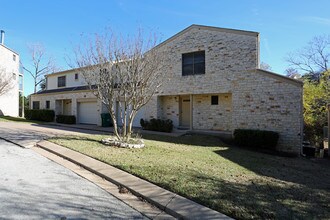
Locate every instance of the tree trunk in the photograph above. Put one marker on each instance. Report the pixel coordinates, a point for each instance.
(125, 123)
(115, 126)
(130, 124)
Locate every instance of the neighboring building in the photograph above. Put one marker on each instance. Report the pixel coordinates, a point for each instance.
(212, 81)
(10, 67)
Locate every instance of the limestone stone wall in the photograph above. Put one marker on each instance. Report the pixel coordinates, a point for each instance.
(226, 54)
(264, 101)
(248, 97)
(169, 109)
(259, 99)
(212, 117)
(73, 96)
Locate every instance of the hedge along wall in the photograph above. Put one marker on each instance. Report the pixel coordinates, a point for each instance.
(39, 114)
(256, 138)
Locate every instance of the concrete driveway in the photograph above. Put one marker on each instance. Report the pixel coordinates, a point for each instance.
(33, 187)
(27, 134)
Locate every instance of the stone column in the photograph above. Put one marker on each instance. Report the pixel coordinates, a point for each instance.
(74, 107)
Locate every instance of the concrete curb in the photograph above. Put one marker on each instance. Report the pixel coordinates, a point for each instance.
(171, 203)
(25, 145)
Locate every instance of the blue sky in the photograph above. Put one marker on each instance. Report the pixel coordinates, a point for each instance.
(284, 26)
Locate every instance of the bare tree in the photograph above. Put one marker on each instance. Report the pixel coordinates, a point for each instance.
(41, 64)
(265, 66)
(292, 73)
(313, 58)
(6, 82)
(121, 71)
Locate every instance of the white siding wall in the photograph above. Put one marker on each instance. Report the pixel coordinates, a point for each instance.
(70, 80)
(9, 102)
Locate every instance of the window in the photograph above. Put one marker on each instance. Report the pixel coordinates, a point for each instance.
(47, 104)
(76, 76)
(35, 105)
(193, 63)
(61, 81)
(214, 100)
(14, 57)
(14, 76)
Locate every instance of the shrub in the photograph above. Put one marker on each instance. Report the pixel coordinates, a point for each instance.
(39, 114)
(256, 138)
(66, 119)
(157, 125)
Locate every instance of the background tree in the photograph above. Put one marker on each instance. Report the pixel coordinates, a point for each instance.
(313, 59)
(22, 107)
(41, 64)
(292, 73)
(265, 66)
(6, 82)
(316, 98)
(123, 71)
(42, 84)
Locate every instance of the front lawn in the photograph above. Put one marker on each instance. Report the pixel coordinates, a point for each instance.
(240, 183)
(17, 119)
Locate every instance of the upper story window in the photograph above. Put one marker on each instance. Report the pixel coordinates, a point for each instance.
(193, 63)
(14, 57)
(14, 76)
(76, 76)
(61, 81)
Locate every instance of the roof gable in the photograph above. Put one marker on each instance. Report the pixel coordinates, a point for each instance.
(278, 77)
(204, 27)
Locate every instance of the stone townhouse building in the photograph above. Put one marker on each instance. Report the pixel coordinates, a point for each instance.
(212, 81)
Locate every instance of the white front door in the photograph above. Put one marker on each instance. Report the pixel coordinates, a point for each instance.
(87, 113)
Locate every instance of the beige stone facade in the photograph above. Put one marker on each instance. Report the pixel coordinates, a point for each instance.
(232, 92)
(66, 103)
(247, 97)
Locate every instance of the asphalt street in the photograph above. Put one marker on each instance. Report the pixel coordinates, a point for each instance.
(27, 134)
(33, 187)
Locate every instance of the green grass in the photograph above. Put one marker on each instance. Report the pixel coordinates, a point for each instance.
(16, 119)
(240, 183)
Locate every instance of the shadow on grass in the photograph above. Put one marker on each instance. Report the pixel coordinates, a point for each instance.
(254, 199)
(263, 200)
(304, 195)
(311, 173)
(15, 119)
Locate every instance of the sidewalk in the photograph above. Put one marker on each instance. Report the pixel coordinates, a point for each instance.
(174, 133)
(171, 203)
